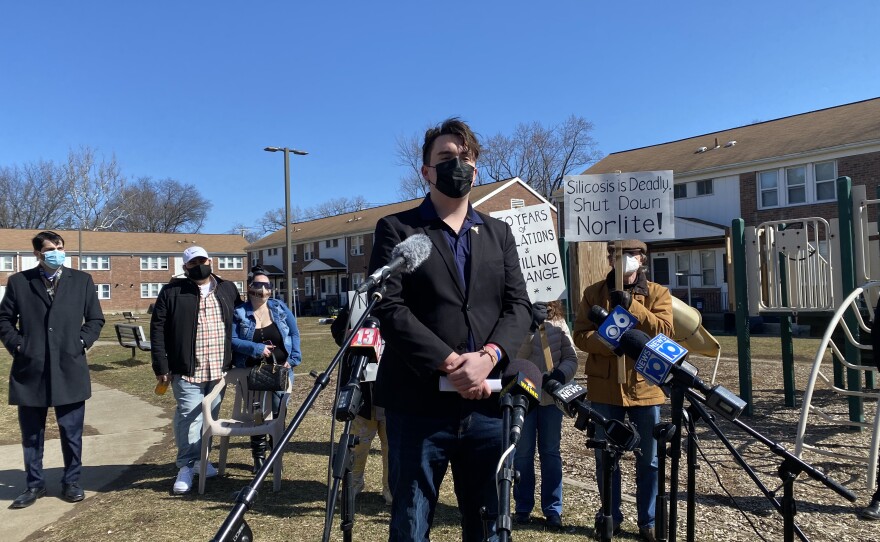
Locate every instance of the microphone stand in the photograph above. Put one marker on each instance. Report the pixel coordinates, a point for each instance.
(234, 526)
(788, 470)
(663, 433)
(507, 475)
(677, 393)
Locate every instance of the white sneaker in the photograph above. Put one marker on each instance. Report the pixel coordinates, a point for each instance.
(210, 472)
(184, 481)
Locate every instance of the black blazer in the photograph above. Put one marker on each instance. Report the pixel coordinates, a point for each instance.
(50, 369)
(424, 315)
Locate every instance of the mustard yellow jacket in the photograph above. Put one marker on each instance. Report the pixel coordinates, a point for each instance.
(654, 312)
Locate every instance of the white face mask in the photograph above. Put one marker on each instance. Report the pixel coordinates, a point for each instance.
(632, 264)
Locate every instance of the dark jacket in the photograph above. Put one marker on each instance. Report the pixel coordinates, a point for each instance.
(51, 368)
(174, 321)
(425, 314)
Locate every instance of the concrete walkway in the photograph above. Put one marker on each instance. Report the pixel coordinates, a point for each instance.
(127, 428)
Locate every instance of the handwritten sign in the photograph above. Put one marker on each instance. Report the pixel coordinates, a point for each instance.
(538, 249)
(613, 206)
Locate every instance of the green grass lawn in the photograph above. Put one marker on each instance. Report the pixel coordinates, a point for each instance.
(141, 508)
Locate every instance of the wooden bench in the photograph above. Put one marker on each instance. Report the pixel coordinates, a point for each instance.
(132, 336)
(129, 316)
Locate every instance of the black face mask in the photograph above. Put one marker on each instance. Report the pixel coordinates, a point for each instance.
(199, 272)
(454, 178)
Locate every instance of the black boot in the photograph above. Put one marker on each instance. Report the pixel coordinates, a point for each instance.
(258, 450)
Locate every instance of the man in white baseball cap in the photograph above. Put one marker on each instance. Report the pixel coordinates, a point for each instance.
(191, 336)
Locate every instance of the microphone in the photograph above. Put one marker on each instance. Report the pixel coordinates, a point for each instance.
(408, 254)
(662, 361)
(569, 399)
(364, 348)
(519, 390)
(612, 326)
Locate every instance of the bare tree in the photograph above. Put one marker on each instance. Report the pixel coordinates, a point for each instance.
(409, 155)
(273, 219)
(161, 206)
(32, 196)
(541, 155)
(250, 233)
(93, 189)
(337, 206)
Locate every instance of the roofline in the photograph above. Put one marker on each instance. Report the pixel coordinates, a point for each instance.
(506, 185)
(736, 168)
(744, 126)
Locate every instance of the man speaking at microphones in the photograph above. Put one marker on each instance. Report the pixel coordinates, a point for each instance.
(615, 396)
(458, 315)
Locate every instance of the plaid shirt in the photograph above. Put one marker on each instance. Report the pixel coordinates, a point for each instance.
(210, 337)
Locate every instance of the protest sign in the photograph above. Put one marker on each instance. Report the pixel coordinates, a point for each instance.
(538, 248)
(611, 206)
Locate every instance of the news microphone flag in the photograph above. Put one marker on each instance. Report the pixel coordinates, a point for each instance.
(657, 358)
(618, 322)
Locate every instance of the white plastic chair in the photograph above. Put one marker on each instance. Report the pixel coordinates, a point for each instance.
(241, 423)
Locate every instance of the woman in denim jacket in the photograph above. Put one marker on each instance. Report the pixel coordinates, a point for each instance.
(264, 328)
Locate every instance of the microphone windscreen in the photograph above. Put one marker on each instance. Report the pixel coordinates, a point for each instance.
(597, 315)
(415, 249)
(524, 366)
(633, 342)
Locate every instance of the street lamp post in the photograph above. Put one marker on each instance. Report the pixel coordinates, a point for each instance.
(288, 270)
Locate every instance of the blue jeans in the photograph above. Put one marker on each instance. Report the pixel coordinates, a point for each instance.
(545, 423)
(188, 417)
(644, 418)
(420, 449)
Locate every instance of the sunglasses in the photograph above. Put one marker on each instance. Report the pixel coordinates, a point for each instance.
(258, 285)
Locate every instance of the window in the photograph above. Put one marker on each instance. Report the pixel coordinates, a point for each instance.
(103, 291)
(95, 263)
(294, 256)
(229, 262)
(680, 191)
(356, 280)
(705, 188)
(254, 262)
(357, 245)
(769, 191)
(707, 267)
(309, 286)
(153, 262)
(240, 285)
(331, 243)
(516, 203)
(826, 174)
(798, 185)
(309, 251)
(683, 268)
(295, 283)
(7, 263)
(151, 289)
(660, 274)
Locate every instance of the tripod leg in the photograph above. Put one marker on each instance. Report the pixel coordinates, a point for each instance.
(662, 433)
(605, 522)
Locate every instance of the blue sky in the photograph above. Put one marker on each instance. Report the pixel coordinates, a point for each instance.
(195, 90)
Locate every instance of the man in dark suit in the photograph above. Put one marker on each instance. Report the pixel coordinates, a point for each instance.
(456, 317)
(49, 316)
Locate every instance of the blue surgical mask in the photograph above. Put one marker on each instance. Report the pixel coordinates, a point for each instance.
(54, 258)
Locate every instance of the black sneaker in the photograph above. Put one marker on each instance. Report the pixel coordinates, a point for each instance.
(616, 531)
(522, 518)
(647, 533)
(554, 522)
(872, 512)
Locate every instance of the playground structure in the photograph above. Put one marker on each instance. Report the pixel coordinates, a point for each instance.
(809, 268)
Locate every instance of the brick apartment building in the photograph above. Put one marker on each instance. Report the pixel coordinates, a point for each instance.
(774, 170)
(129, 269)
(331, 255)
